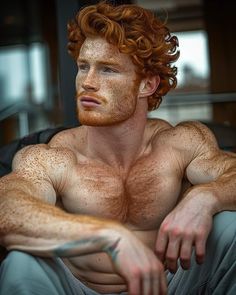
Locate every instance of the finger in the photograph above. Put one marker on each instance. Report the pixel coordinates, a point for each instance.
(161, 245)
(146, 285)
(186, 253)
(134, 286)
(200, 250)
(172, 254)
(155, 286)
(163, 284)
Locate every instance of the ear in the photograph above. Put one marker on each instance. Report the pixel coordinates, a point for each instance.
(148, 86)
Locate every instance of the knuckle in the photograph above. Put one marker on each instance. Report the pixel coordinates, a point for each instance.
(159, 251)
(160, 267)
(176, 232)
(164, 231)
(185, 258)
(200, 254)
(185, 255)
(147, 269)
(171, 258)
(164, 228)
(188, 234)
(136, 273)
(156, 268)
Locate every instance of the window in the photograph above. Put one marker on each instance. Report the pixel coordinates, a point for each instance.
(23, 74)
(193, 76)
(193, 63)
(24, 87)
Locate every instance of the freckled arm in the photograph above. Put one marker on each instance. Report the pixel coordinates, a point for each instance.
(35, 226)
(212, 173)
(30, 221)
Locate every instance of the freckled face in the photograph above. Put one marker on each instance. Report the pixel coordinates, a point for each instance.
(106, 84)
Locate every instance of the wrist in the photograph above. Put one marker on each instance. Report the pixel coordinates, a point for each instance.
(111, 235)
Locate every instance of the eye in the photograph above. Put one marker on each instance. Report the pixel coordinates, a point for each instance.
(83, 67)
(107, 69)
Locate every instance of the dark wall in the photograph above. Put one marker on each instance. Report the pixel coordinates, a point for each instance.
(67, 67)
(220, 25)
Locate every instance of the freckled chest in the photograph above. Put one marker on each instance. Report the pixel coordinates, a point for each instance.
(142, 198)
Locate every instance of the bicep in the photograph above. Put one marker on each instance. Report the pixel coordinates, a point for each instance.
(205, 161)
(205, 168)
(16, 183)
(29, 174)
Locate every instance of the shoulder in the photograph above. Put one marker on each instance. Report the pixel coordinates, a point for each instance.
(62, 149)
(157, 126)
(196, 144)
(44, 167)
(58, 156)
(189, 138)
(195, 137)
(72, 139)
(196, 129)
(41, 157)
(187, 132)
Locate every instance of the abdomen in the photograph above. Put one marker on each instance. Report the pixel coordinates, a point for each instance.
(97, 272)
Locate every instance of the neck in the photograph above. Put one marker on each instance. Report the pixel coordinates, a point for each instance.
(119, 145)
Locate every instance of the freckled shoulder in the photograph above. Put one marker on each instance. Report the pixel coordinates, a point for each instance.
(42, 155)
(156, 122)
(73, 139)
(157, 126)
(156, 130)
(186, 140)
(45, 169)
(185, 134)
(193, 139)
(196, 133)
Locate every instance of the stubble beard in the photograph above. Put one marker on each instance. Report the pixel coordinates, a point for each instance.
(118, 113)
(96, 118)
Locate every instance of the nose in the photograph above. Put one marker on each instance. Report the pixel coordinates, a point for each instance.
(90, 82)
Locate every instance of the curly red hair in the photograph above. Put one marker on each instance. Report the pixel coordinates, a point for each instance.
(136, 32)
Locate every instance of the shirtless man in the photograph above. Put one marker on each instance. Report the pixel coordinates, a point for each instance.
(108, 206)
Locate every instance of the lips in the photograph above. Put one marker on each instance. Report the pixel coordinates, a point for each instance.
(89, 101)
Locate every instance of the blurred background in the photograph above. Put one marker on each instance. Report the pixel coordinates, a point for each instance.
(37, 75)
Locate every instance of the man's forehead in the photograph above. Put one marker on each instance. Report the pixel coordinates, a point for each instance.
(97, 44)
(99, 48)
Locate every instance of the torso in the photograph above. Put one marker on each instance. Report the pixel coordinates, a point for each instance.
(140, 200)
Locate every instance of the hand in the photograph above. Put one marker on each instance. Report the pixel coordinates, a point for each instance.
(139, 266)
(187, 226)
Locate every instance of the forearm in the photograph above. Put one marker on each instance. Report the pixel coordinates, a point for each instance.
(39, 228)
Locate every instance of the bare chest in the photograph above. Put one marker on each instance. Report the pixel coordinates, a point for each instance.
(140, 199)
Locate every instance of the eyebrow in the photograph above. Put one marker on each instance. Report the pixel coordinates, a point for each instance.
(102, 62)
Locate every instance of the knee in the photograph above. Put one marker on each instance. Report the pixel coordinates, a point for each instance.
(14, 273)
(16, 266)
(16, 255)
(22, 273)
(14, 259)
